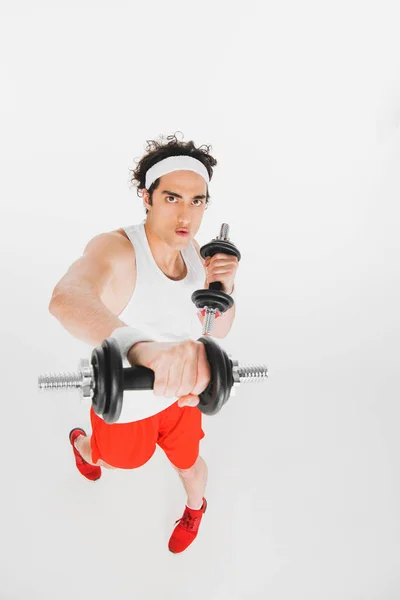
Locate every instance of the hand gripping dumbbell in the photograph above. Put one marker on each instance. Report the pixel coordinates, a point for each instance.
(214, 299)
(105, 380)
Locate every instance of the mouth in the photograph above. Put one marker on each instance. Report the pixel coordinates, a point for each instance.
(183, 232)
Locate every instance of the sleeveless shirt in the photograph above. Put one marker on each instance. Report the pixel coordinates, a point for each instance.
(163, 309)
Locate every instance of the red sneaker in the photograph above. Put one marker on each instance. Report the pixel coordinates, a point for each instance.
(89, 471)
(186, 530)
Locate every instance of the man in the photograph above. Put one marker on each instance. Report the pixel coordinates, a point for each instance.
(135, 284)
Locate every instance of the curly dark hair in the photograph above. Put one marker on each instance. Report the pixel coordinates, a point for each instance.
(157, 150)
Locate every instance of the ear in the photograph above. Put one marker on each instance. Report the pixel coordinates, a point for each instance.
(145, 197)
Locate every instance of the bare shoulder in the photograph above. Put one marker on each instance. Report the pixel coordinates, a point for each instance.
(113, 246)
(122, 242)
(196, 245)
(116, 240)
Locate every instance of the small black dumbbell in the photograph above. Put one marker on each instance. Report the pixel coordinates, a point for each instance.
(105, 379)
(214, 299)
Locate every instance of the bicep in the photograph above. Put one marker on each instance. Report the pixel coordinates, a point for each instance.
(85, 273)
(94, 270)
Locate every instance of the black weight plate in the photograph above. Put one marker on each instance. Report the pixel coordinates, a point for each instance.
(213, 299)
(115, 381)
(100, 386)
(217, 392)
(219, 247)
(229, 373)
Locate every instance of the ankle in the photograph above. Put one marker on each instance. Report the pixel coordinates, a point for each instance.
(82, 445)
(195, 505)
(77, 441)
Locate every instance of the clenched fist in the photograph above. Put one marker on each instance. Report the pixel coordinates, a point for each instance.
(181, 369)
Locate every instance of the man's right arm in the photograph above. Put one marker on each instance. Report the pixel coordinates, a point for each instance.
(79, 300)
(98, 278)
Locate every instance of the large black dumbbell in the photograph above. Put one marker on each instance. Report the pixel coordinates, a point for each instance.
(105, 379)
(214, 299)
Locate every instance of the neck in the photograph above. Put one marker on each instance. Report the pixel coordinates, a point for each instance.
(170, 261)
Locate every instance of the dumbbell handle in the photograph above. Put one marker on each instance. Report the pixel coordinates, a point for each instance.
(142, 378)
(138, 378)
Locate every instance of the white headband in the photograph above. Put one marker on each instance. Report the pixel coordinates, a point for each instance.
(175, 163)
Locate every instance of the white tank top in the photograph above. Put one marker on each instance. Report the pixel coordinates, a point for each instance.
(163, 309)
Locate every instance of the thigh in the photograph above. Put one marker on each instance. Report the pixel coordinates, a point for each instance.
(123, 445)
(179, 435)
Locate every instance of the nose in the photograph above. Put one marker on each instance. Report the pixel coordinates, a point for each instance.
(184, 217)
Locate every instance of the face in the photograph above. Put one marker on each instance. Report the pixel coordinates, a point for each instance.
(178, 202)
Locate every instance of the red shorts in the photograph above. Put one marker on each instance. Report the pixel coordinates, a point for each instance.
(176, 430)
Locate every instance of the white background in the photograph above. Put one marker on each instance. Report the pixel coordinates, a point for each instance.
(301, 104)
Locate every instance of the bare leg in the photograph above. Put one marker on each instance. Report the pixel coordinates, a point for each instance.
(82, 444)
(194, 481)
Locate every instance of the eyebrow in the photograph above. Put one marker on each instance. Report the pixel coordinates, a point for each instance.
(198, 197)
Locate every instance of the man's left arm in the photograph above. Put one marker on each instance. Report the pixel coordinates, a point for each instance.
(220, 267)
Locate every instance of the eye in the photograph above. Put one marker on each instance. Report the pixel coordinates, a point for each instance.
(173, 198)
